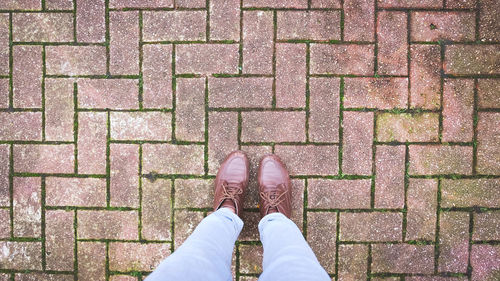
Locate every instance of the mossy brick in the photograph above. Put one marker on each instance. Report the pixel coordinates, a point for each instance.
(486, 226)
(392, 43)
(174, 25)
(412, 127)
(156, 209)
(291, 74)
(481, 192)
(440, 159)
(338, 194)
(442, 25)
(359, 20)
(258, 32)
(425, 77)
(312, 25)
(42, 27)
(107, 224)
(352, 261)
(133, 256)
(379, 93)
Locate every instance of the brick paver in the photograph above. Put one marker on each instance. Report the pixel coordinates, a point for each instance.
(115, 116)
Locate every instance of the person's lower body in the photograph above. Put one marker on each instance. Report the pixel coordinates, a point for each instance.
(206, 254)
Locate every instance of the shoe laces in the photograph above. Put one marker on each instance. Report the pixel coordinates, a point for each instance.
(274, 197)
(231, 190)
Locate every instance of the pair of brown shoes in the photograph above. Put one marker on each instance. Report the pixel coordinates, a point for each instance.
(274, 184)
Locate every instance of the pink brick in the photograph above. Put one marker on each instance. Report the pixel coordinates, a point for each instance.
(27, 207)
(309, 159)
(223, 137)
(207, 59)
(4, 174)
(450, 26)
(172, 159)
(390, 175)
(429, 278)
(458, 107)
(191, 3)
(379, 93)
(422, 206)
(425, 77)
(461, 4)
(85, 192)
(122, 278)
(190, 109)
(124, 178)
(202, 189)
(470, 193)
(481, 59)
(83, 60)
(91, 260)
(42, 27)
(488, 91)
(486, 226)
(157, 76)
(392, 43)
(453, 242)
(141, 125)
(21, 126)
(4, 90)
(27, 76)
(21, 255)
(338, 194)
(59, 4)
(352, 262)
(324, 107)
(119, 4)
(413, 127)
(4, 44)
(90, 21)
(410, 4)
(129, 256)
(185, 223)
(488, 21)
(403, 258)
(4, 223)
(21, 5)
(43, 276)
(44, 158)
(321, 235)
(290, 75)
(291, 4)
(488, 143)
(373, 226)
(92, 134)
(440, 159)
(108, 225)
(262, 126)
(485, 261)
(257, 42)
(59, 240)
(174, 26)
(326, 4)
(240, 92)
(59, 110)
(357, 143)
(224, 20)
(124, 42)
(156, 209)
(313, 25)
(342, 59)
(359, 20)
(108, 93)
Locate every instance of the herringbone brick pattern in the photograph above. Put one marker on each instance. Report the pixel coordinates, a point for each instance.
(115, 115)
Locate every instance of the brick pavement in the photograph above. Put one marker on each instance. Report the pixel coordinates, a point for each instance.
(115, 114)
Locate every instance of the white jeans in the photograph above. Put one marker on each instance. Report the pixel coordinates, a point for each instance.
(206, 254)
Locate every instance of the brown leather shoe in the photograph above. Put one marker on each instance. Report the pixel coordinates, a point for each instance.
(274, 186)
(231, 182)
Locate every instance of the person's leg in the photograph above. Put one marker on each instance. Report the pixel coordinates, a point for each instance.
(206, 254)
(287, 256)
